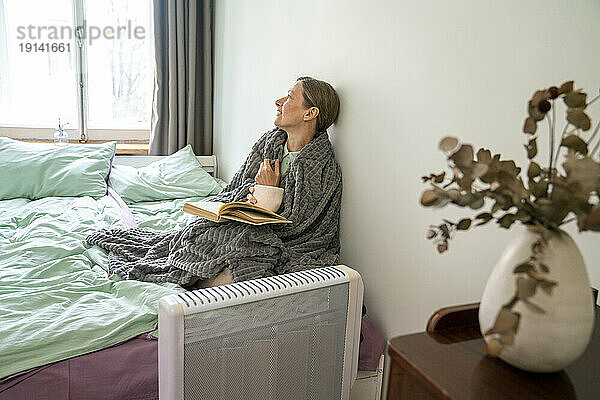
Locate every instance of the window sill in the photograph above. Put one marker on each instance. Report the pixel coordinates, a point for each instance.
(94, 135)
(122, 148)
(132, 148)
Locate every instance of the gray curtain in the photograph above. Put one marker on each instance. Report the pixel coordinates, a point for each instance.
(182, 103)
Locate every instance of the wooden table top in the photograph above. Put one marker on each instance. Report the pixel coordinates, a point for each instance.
(455, 364)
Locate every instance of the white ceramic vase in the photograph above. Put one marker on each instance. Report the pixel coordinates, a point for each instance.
(544, 342)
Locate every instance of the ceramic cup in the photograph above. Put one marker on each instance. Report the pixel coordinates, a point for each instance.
(268, 197)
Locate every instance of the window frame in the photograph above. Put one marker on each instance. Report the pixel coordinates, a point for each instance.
(83, 134)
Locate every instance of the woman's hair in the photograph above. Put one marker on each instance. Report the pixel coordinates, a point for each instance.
(322, 95)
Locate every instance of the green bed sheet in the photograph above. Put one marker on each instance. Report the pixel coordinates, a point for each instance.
(57, 299)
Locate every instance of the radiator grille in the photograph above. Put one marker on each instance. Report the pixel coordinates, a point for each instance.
(263, 286)
(272, 348)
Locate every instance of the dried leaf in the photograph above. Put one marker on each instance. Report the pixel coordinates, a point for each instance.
(448, 144)
(552, 210)
(530, 126)
(445, 231)
(538, 189)
(525, 287)
(494, 347)
(431, 234)
(538, 96)
(477, 203)
(484, 156)
(522, 216)
(479, 169)
(464, 224)
(544, 106)
(506, 321)
(506, 220)
(534, 170)
(534, 112)
(576, 143)
(463, 158)
(501, 204)
(531, 148)
(579, 118)
(439, 178)
(463, 200)
(523, 268)
(566, 87)
(465, 183)
(484, 216)
(533, 307)
(429, 198)
(592, 221)
(575, 99)
(552, 92)
(582, 173)
(509, 167)
(454, 194)
(442, 247)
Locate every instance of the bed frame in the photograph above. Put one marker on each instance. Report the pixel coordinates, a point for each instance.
(292, 336)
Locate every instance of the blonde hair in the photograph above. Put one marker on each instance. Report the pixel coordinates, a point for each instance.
(322, 95)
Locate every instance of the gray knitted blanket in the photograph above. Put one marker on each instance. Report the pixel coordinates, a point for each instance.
(312, 195)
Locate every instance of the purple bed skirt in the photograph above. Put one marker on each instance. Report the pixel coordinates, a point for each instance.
(127, 371)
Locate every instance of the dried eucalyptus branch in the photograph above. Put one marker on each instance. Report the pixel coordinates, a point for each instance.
(544, 200)
(551, 148)
(530, 276)
(546, 196)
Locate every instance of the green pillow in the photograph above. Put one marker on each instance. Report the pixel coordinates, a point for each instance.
(177, 176)
(36, 170)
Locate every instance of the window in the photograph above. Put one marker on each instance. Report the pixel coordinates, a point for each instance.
(47, 48)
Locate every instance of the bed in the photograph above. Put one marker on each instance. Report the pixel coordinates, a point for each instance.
(68, 327)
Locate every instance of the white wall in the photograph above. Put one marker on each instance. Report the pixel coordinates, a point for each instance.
(408, 73)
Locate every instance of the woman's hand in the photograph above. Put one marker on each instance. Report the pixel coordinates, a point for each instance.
(266, 176)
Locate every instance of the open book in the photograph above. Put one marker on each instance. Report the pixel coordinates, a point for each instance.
(237, 211)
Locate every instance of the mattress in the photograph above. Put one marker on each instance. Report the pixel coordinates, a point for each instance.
(58, 299)
(127, 371)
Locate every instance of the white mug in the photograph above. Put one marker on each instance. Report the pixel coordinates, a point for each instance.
(268, 197)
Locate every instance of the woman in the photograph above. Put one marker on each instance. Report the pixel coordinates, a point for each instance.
(297, 115)
(296, 156)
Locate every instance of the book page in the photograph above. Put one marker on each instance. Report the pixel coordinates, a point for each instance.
(257, 216)
(247, 221)
(239, 205)
(210, 206)
(237, 211)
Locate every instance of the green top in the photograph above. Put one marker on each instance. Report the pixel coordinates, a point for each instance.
(286, 160)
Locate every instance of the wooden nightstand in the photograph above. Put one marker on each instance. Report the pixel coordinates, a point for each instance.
(451, 364)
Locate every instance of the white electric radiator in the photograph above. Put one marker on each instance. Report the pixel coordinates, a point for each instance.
(292, 336)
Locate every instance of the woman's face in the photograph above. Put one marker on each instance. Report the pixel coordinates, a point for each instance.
(290, 109)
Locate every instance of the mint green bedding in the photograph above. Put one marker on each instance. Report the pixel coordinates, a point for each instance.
(57, 299)
(174, 177)
(38, 170)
